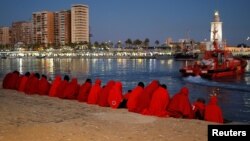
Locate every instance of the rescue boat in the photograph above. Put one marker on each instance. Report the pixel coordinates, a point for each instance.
(216, 63)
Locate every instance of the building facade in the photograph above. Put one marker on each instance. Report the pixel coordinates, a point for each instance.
(63, 27)
(56, 28)
(43, 28)
(79, 23)
(50, 28)
(21, 32)
(4, 36)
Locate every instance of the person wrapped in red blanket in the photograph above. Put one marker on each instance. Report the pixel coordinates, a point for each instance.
(198, 108)
(104, 94)
(133, 97)
(54, 86)
(84, 91)
(179, 105)
(32, 84)
(10, 80)
(94, 92)
(44, 86)
(145, 97)
(72, 89)
(115, 95)
(159, 102)
(213, 112)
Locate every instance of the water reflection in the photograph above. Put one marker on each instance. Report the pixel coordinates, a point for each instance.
(21, 66)
(234, 92)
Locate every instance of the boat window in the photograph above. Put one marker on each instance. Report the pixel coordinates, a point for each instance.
(215, 54)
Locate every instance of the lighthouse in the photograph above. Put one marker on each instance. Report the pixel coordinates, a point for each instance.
(216, 28)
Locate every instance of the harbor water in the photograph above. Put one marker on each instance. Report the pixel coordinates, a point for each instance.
(234, 92)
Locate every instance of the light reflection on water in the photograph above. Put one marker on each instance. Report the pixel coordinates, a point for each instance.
(234, 95)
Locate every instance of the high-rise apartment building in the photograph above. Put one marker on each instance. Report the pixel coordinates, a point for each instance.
(62, 27)
(21, 32)
(4, 35)
(43, 27)
(79, 23)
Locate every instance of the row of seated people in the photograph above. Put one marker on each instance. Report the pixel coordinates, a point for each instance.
(154, 99)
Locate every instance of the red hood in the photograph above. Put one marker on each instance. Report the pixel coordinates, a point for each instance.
(184, 91)
(98, 81)
(213, 100)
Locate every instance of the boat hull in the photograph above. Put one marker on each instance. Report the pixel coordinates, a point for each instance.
(219, 72)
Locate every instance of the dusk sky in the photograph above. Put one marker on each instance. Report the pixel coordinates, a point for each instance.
(139, 19)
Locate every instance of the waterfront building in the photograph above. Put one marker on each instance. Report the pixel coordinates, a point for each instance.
(43, 27)
(79, 23)
(62, 27)
(4, 35)
(21, 32)
(168, 41)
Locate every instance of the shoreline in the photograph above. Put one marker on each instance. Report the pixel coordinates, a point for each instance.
(35, 117)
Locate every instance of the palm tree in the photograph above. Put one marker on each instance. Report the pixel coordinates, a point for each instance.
(110, 44)
(146, 43)
(242, 45)
(157, 43)
(103, 45)
(85, 44)
(96, 44)
(36, 46)
(89, 45)
(128, 43)
(137, 43)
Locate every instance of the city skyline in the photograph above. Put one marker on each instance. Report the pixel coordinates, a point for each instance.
(139, 19)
